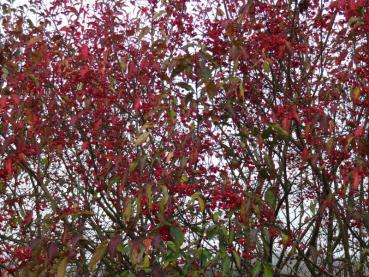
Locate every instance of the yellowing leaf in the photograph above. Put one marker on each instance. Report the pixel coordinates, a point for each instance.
(158, 14)
(197, 196)
(285, 238)
(244, 210)
(123, 65)
(98, 255)
(139, 207)
(86, 213)
(355, 93)
(147, 244)
(268, 271)
(127, 211)
(184, 179)
(146, 262)
(62, 266)
(169, 156)
(141, 139)
(149, 195)
(133, 165)
(144, 31)
(165, 195)
(33, 40)
(146, 126)
(266, 66)
(242, 91)
(349, 140)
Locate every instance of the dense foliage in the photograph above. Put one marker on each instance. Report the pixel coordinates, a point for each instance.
(184, 138)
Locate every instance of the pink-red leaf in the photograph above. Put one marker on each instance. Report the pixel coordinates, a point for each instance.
(52, 251)
(112, 246)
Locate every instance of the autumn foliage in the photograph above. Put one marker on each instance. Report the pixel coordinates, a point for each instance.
(184, 138)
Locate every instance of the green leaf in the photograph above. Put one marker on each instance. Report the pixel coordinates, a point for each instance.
(142, 162)
(185, 86)
(171, 246)
(217, 215)
(179, 68)
(212, 231)
(280, 131)
(120, 248)
(237, 259)
(266, 133)
(158, 14)
(270, 198)
(34, 79)
(177, 235)
(5, 73)
(204, 72)
(256, 270)
(226, 265)
(268, 271)
(264, 173)
(45, 162)
(165, 195)
(112, 181)
(126, 273)
(203, 255)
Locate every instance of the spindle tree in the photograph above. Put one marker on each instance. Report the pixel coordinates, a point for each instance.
(184, 138)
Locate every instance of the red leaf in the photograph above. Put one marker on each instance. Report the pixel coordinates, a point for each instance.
(2, 103)
(324, 120)
(157, 271)
(305, 154)
(16, 98)
(84, 52)
(84, 71)
(132, 70)
(9, 167)
(286, 124)
(28, 218)
(156, 242)
(137, 103)
(359, 132)
(84, 145)
(356, 179)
